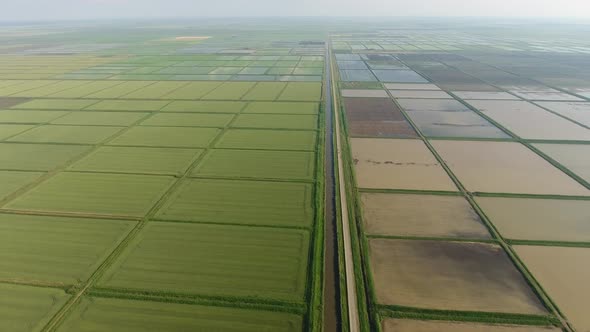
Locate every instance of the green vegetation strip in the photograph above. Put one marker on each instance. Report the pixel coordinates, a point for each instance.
(467, 316)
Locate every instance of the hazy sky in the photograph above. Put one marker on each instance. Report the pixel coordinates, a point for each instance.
(87, 9)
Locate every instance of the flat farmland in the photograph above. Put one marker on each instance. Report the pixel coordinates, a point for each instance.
(508, 167)
(95, 194)
(225, 260)
(406, 215)
(408, 325)
(268, 140)
(55, 250)
(455, 157)
(240, 202)
(397, 164)
(26, 308)
(133, 316)
(562, 271)
(257, 164)
(450, 276)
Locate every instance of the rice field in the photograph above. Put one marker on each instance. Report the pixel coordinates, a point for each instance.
(152, 181)
(466, 177)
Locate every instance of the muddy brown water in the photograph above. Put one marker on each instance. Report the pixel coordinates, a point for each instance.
(455, 124)
(7, 102)
(420, 215)
(573, 110)
(397, 164)
(449, 276)
(563, 273)
(538, 219)
(376, 117)
(575, 157)
(529, 121)
(505, 167)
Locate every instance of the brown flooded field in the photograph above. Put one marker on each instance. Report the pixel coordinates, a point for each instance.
(529, 121)
(505, 167)
(376, 117)
(7, 102)
(539, 219)
(574, 110)
(369, 93)
(454, 124)
(432, 105)
(563, 273)
(397, 164)
(420, 215)
(575, 157)
(450, 276)
(410, 325)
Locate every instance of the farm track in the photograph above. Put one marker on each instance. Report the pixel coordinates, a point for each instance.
(353, 312)
(332, 315)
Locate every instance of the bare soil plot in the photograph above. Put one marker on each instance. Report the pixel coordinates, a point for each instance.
(240, 202)
(56, 104)
(28, 309)
(409, 325)
(7, 102)
(183, 137)
(99, 118)
(268, 139)
(282, 108)
(128, 105)
(575, 157)
(57, 250)
(411, 86)
(576, 111)
(67, 134)
(529, 121)
(120, 315)
(138, 160)
(29, 117)
(420, 215)
(376, 117)
(449, 276)
(188, 120)
(37, 157)
(505, 167)
(397, 164)
(214, 260)
(368, 93)
(257, 164)
(8, 130)
(276, 121)
(563, 273)
(95, 193)
(424, 94)
(495, 95)
(454, 124)
(204, 106)
(539, 219)
(13, 180)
